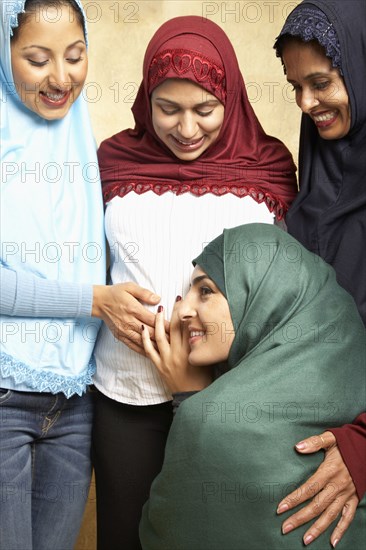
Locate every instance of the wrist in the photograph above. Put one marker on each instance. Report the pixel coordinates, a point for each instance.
(99, 300)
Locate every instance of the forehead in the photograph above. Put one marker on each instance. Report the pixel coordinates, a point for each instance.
(182, 90)
(297, 54)
(49, 25)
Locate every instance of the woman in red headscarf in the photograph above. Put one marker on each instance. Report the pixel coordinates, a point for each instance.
(197, 161)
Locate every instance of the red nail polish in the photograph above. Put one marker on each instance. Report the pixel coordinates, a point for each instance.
(178, 298)
(160, 309)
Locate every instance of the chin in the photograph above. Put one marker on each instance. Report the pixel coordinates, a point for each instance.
(53, 115)
(332, 135)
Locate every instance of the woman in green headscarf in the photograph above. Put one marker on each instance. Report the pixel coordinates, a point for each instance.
(295, 353)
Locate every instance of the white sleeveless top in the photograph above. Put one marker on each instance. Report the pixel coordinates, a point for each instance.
(153, 240)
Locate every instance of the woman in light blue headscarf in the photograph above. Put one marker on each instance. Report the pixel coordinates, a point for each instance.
(52, 255)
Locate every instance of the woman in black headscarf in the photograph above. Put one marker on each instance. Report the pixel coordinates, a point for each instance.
(322, 46)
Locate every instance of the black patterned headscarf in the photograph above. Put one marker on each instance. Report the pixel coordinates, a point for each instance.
(308, 22)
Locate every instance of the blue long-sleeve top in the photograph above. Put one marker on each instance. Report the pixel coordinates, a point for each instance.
(25, 295)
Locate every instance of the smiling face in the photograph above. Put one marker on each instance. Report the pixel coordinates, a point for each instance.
(319, 88)
(186, 117)
(49, 61)
(205, 311)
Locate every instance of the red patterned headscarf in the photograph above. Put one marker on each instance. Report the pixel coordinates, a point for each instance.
(175, 60)
(243, 160)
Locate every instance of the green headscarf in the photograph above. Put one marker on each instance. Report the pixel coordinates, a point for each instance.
(297, 367)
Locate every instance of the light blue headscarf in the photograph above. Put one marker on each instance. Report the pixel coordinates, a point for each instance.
(51, 227)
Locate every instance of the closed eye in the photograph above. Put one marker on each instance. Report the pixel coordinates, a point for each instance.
(38, 63)
(204, 113)
(74, 61)
(320, 85)
(169, 111)
(295, 87)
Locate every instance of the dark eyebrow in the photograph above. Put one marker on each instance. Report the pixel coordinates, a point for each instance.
(200, 278)
(49, 49)
(203, 104)
(310, 76)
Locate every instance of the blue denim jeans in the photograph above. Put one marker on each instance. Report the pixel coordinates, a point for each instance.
(45, 468)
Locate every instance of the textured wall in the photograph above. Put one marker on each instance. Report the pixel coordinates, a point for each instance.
(119, 32)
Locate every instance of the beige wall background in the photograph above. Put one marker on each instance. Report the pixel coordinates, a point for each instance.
(119, 32)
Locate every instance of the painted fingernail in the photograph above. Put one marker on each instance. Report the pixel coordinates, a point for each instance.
(308, 539)
(178, 298)
(142, 327)
(282, 508)
(300, 446)
(334, 544)
(287, 528)
(160, 309)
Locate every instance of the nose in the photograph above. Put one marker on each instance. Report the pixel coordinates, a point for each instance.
(186, 309)
(187, 125)
(58, 77)
(307, 100)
